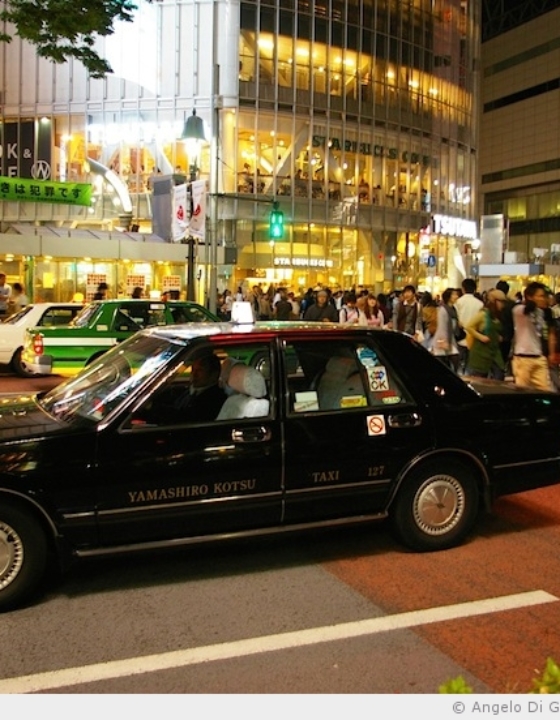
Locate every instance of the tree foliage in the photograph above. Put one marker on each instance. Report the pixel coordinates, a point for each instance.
(61, 29)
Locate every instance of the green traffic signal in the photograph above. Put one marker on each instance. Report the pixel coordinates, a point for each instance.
(276, 225)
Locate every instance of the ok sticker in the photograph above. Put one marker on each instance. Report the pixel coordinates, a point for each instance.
(378, 380)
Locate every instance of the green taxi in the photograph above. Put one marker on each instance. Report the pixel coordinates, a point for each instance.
(65, 350)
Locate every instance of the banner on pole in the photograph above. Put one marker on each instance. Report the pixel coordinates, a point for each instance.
(179, 203)
(63, 193)
(197, 223)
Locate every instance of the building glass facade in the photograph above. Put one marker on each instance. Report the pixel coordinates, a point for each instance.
(519, 152)
(358, 117)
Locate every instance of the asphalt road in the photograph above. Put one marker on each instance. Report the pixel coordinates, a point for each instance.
(339, 611)
(258, 617)
(11, 383)
(118, 609)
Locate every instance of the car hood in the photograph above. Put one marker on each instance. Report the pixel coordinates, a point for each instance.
(22, 417)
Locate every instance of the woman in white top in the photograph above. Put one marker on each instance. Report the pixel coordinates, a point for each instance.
(370, 314)
(376, 317)
(227, 305)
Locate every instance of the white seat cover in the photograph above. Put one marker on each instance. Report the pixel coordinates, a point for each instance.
(249, 398)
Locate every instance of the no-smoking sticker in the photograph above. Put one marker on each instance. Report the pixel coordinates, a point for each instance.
(376, 425)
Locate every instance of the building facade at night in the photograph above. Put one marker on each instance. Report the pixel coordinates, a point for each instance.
(519, 141)
(358, 117)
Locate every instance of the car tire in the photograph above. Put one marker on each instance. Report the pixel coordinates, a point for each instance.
(436, 506)
(18, 367)
(23, 555)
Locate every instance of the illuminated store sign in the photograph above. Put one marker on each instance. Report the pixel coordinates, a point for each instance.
(453, 226)
(25, 149)
(303, 262)
(363, 148)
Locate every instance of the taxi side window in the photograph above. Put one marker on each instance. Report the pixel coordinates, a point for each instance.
(125, 323)
(186, 313)
(179, 316)
(338, 376)
(212, 384)
(58, 316)
(141, 314)
(156, 316)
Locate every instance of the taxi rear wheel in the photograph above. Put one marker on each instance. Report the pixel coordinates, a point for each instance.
(436, 507)
(19, 367)
(23, 556)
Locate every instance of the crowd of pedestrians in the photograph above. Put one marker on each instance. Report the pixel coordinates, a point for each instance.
(488, 334)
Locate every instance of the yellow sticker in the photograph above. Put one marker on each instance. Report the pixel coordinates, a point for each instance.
(349, 401)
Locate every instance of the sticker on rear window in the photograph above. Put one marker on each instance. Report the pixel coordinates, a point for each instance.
(377, 378)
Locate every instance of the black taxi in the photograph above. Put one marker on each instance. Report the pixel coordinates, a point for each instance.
(205, 431)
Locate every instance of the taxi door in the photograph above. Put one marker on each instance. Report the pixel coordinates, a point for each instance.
(161, 478)
(350, 427)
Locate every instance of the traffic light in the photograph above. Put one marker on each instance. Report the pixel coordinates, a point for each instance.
(276, 224)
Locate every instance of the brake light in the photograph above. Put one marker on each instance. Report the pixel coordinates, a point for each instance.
(38, 344)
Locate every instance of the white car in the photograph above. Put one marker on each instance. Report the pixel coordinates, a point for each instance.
(12, 330)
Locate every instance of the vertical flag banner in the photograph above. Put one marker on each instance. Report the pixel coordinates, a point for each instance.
(197, 224)
(179, 212)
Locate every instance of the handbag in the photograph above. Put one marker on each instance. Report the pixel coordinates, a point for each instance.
(460, 333)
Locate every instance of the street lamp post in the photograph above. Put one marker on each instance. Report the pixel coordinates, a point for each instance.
(215, 164)
(193, 135)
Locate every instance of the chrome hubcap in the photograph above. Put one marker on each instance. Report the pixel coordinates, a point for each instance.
(439, 505)
(11, 554)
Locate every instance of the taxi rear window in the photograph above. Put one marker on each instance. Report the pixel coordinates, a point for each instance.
(337, 376)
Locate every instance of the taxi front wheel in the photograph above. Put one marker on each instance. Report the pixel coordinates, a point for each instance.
(436, 506)
(23, 556)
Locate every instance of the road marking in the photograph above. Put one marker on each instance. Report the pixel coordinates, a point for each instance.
(268, 643)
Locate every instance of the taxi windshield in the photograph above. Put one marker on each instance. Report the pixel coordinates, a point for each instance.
(106, 383)
(16, 317)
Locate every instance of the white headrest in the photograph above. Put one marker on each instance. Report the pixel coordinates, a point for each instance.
(247, 380)
(227, 364)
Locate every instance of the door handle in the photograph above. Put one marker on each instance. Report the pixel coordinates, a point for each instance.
(404, 420)
(251, 435)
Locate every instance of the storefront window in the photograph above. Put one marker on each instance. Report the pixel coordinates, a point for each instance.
(66, 280)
